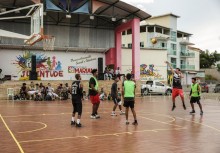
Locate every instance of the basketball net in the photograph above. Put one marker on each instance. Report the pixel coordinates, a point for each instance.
(48, 43)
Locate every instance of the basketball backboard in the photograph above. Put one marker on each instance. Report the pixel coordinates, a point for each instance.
(35, 13)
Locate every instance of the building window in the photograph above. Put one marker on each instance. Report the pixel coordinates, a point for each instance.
(142, 29)
(129, 45)
(173, 46)
(164, 45)
(173, 36)
(150, 29)
(141, 44)
(123, 33)
(158, 30)
(129, 32)
(123, 45)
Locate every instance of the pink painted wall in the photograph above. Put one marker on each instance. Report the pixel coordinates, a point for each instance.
(110, 57)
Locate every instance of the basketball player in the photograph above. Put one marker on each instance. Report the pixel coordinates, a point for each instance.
(128, 94)
(115, 97)
(177, 87)
(77, 94)
(94, 94)
(195, 96)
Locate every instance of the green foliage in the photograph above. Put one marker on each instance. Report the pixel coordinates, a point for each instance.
(208, 59)
(218, 66)
(209, 77)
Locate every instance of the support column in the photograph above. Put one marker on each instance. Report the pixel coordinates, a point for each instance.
(136, 48)
(118, 53)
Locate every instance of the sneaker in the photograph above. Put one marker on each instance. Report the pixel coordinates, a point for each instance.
(92, 117)
(122, 113)
(192, 112)
(135, 123)
(173, 107)
(201, 113)
(126, 122)
(73, 122)
(113, 114)
(184, 106)
(79, 125)
(97, 116)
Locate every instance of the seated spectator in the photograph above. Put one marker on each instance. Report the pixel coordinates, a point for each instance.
(1, 76)
(42, 90)
(23, 92)
(102, 95)
(106, 74)
(31, 90)
(65, 92)
(38, 95)
(118, 73)
(109, 96)
(50, 94)
(59, 89)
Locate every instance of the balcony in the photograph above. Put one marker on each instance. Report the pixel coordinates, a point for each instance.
(171, 52)
(187, 54)
(185, 42)
(187, 67)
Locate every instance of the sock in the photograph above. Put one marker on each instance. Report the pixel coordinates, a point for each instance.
(126, 120)
(78, 121)
(73, 119)
(121, 111)
(113, 112)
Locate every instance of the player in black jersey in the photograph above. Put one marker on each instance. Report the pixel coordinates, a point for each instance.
(77, 95)
(177, 86)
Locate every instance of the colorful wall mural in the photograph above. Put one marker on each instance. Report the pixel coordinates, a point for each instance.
(150, 72)
(50, 65)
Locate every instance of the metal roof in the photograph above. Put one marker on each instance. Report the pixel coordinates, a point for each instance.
(103, 16)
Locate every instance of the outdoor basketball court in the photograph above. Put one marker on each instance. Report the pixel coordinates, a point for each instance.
(45, 127)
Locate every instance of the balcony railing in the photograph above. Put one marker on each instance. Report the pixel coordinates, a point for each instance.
(187, 54)
(187, 67)
(171, 52)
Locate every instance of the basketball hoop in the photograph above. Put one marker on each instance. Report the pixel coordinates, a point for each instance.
(48, 42)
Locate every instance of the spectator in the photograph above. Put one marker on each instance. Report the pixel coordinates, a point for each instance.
(118, 73)
(50, 95)
(38, 95)
(102, 94)
(1, 76)
(42, 90)
(66, 91)
(59, 89)
(31, 90)
(23, 92)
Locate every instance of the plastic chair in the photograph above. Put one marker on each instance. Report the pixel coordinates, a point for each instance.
(10, 92)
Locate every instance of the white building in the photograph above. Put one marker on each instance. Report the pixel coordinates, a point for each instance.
(161, 33)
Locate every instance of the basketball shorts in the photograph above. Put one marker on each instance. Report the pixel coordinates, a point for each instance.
(177, 92)
(95, 99)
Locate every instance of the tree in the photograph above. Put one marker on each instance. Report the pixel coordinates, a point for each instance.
(208, 59)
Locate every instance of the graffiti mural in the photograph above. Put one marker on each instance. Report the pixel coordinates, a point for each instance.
(149, 72)
(46, 66)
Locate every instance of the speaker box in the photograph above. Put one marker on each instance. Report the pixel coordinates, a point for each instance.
(100, 65)
(101, 76)
(33, 63)
(7, 77)
(33, 75)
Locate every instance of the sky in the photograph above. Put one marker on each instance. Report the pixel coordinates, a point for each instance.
(198, 17)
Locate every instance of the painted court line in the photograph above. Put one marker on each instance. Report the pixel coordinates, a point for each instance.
(18, 144)
(45, 126)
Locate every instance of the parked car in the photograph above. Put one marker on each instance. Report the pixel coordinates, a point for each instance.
(155, 87)
(217, 88)
(204, 87)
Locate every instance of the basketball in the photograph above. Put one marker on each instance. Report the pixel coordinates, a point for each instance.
(153, 40)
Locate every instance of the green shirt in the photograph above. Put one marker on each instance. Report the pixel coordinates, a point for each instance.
(129, 87)
(195, 90)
